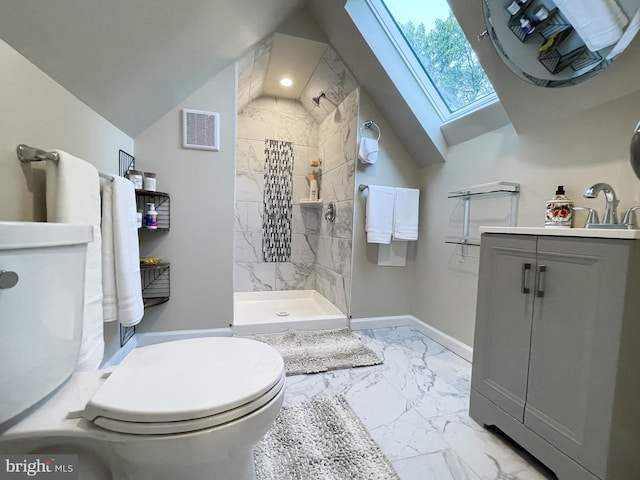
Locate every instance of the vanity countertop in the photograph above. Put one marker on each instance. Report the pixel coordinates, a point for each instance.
(566, 232)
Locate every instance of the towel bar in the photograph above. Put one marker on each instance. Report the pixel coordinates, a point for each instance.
(31, 154)
(369, 124)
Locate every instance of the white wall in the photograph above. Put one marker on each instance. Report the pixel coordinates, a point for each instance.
(201, 184)
(576, 152)
(380, 291)
(37, 111)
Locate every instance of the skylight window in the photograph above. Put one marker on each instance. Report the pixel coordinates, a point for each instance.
(432, 43)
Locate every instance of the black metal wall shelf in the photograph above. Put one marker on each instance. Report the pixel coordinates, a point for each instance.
(566, 51)
(155, 283)
(162, 201)
(155, 279)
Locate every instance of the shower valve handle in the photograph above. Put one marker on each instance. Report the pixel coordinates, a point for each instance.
(330, 214)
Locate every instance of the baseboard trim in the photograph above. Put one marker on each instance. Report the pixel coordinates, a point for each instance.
(151, 338)
(456, 346)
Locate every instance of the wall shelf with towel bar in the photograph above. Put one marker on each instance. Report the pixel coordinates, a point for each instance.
(485, 190)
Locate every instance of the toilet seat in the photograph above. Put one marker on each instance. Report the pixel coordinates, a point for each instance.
(187, 385)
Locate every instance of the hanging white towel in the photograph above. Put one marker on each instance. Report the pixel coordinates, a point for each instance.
(379, 214)
(405, 217)
(73, 196)
(368, 150)
(599, 23)
(109, 295)
(121, 254)
(625, 40)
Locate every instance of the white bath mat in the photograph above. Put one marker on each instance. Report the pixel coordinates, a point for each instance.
(322, 439)
(313, 351)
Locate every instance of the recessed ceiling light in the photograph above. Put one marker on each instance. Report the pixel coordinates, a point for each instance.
(286, 82)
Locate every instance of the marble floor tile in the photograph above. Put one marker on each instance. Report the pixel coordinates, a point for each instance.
(415, 405)
(444, 465)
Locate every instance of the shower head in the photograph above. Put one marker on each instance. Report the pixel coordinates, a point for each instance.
(316, 100)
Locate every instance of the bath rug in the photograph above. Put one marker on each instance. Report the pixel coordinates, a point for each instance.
(314, 351)
(317, 440)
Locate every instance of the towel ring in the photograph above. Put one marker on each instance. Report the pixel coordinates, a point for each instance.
(368, 124)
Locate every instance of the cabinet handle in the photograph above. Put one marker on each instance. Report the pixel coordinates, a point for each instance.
(542, 269)
(525, 276)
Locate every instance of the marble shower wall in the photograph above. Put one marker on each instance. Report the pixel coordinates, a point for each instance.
(337, 149)
(287, 121)
(321, 250)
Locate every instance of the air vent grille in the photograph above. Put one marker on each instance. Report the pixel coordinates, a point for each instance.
(200, 130)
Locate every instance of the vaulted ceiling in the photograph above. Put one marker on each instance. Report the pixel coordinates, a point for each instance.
(132, 61)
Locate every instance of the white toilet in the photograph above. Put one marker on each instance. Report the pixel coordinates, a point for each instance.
(188, 409)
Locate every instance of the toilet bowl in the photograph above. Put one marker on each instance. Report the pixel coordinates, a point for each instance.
(187, 409)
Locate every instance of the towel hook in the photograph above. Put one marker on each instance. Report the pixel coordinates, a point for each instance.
(369, 124)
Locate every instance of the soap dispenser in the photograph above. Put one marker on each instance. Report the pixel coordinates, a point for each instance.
(559, 212)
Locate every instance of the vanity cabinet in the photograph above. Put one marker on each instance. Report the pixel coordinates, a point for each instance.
(555, 362)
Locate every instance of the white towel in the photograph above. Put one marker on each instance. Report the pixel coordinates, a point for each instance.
(625, 40)
(379, 214)
(405, 216)
(109, 295)
(599, 23)
(73, 196)
(120, 254)
(368, 150)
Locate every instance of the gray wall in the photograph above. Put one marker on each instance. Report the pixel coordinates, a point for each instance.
(39, 112)
(377, 290)
(577, 152)
(201, 184)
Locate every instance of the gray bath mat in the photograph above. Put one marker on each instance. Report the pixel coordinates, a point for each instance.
(320, 440)
(313, 351)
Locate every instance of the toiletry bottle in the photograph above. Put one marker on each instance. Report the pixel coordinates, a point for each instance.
(526, 25)
(313, 187)
(559, 212)
(152, 216)
(512, 7)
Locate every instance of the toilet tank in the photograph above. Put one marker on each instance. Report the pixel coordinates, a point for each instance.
(41, 303)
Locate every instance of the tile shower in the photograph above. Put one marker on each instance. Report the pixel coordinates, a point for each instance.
(279, 244)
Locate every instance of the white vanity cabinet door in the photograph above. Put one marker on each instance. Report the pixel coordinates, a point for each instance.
(503, 320)
(575, 340)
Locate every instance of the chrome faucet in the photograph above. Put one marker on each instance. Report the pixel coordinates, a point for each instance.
(610, 216)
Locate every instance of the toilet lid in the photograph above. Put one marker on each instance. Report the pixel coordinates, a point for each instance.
(188, 380)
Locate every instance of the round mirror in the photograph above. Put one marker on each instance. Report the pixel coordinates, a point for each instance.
(557, 43)
(635, 151)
